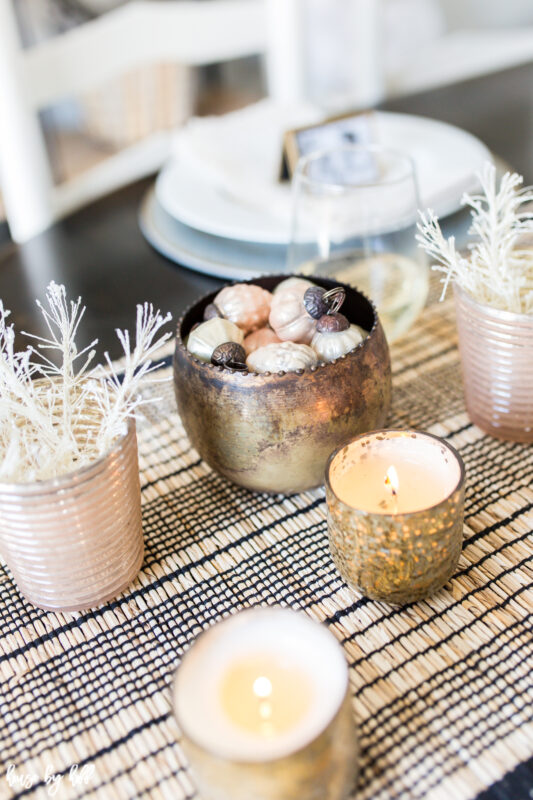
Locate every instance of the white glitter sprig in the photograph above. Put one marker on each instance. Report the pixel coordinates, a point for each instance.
(498, 269)
(56, 417)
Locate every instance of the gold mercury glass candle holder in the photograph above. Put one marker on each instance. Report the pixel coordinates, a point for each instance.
(395, 513)
(263, 704)
(75, 541)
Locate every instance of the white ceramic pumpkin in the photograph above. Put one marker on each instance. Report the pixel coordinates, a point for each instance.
(208, 335)
(291, 283)
(329, 346)
(286, 357)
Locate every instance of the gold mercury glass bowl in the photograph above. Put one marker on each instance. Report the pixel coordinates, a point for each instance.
(273, 432)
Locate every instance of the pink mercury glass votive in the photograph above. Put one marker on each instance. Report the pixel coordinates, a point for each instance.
(496, 350)
(75, 541)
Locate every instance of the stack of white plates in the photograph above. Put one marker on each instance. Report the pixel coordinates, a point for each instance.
(218, 207)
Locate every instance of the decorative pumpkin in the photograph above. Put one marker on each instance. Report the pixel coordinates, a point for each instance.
(288, 316)
(292, 283)
(246, 305)
(259, 339)
(329, 346)
(209, 335)
(285, 356)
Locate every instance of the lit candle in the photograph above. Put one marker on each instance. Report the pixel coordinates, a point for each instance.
(264, 696)
(393, 484)
(263, 704)
(395, 513)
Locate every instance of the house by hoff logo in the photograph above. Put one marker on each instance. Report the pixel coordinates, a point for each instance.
(52, 780)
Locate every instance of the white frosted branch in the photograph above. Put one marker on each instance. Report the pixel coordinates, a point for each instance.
(56, 417)
(498, 270)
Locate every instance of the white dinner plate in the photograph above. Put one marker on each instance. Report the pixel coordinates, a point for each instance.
(229, 191)
(223, 258)
(232, 259)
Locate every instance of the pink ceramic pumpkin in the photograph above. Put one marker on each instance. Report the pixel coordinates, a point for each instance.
(259, 338)
(246, 305)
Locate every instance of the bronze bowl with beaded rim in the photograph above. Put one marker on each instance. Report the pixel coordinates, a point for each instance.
(273, 432)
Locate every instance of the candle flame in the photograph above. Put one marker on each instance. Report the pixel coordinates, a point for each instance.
(391, 480)
(262, 687)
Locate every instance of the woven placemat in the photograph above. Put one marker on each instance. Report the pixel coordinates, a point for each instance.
(442, 689)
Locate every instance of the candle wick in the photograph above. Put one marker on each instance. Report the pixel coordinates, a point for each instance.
(391, 482)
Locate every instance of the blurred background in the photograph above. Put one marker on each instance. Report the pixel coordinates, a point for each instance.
(345, 54)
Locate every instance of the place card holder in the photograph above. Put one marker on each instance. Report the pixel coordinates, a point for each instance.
(342, 130)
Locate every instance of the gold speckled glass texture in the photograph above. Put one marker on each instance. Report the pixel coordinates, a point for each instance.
(396, 558)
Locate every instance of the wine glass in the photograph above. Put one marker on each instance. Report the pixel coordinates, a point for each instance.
(354, 219)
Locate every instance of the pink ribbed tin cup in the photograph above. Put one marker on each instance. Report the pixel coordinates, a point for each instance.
(496, 350)
(75, 541)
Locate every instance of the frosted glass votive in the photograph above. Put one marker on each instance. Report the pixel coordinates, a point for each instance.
(75, 541)
(496, 350)
(263, 703)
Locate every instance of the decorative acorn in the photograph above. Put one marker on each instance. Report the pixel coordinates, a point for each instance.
(229, 354)
(211, 311)
(314, 302)
(318, 301)
(332, 323)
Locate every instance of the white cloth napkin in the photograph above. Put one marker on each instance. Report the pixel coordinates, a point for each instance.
(240, 153)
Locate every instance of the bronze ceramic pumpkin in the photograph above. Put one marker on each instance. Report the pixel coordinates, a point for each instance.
(274, 432)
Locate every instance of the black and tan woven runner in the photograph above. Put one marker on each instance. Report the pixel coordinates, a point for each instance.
(442, 689)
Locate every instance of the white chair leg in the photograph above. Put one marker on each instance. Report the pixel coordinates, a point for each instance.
(367, 66)
(24, 173)
(285, 55)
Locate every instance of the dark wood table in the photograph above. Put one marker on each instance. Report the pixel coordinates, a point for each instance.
(100, 254)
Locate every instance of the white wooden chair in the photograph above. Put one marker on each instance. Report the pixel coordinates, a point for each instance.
(139, 33)
(194, 33)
